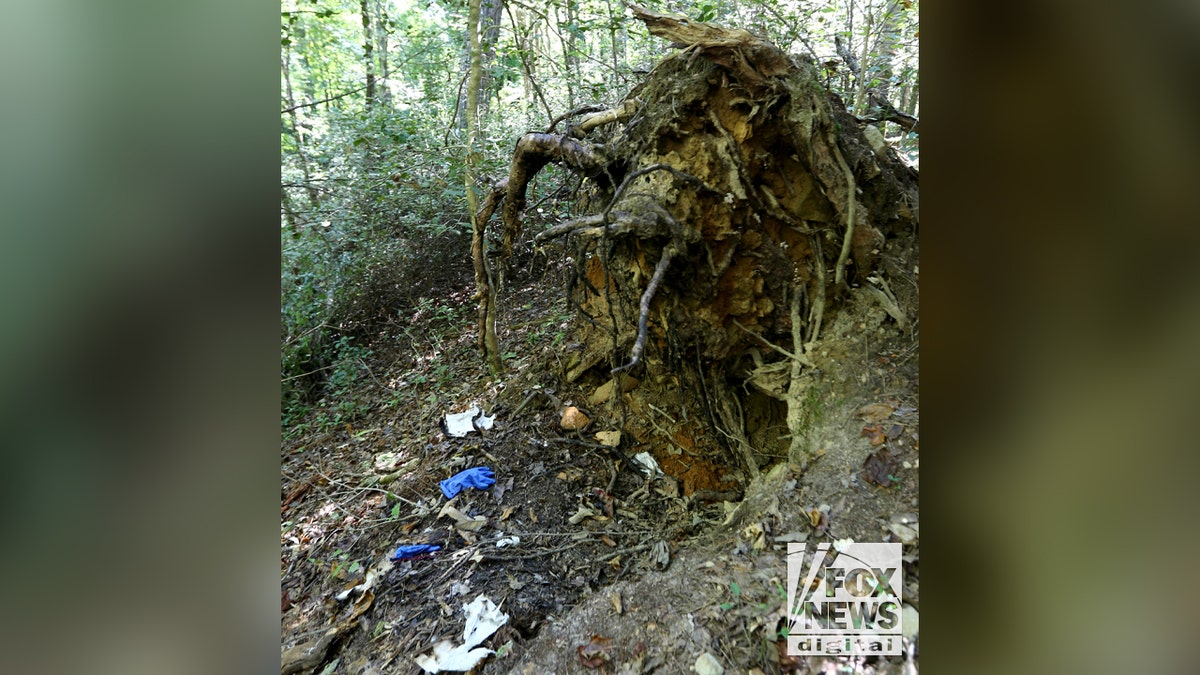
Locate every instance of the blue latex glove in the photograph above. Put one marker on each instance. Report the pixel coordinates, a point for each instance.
(480, 478)
(405, 552)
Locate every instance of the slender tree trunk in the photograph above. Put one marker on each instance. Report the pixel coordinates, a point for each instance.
(566, 22)
(889, 37)
(289, 211)
(368, 52)
(617, 36)
(489, 32)
(381, 48)
(314, 201)
(485, 289)
(489, 16)
(864, 63)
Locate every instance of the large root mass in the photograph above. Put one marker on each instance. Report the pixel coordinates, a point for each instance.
(733, 202)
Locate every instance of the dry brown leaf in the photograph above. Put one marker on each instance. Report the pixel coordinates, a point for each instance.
(875, 433)
(508, 511)
(880, 466)
(595, 653)
(875, 412)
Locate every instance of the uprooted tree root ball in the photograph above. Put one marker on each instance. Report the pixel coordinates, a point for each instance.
(733, 203)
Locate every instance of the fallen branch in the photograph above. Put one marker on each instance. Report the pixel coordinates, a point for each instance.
(593, 108)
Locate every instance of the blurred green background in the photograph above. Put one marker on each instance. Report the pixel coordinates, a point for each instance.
(139, 359)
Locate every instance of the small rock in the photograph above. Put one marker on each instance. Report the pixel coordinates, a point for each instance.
(707, 664)
(605, 391)
(573, 419)
(610, 438)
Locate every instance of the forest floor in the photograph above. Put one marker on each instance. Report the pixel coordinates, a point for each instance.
(612, 572)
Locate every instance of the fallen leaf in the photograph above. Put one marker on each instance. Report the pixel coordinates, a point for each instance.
(595, 653)
(814, 517)
(387, 462)
(500, 488)
(754, 534)
(875, 433)
(461, 520)
(880, 466)
(875, 412)
(607, 541)
(508, 511)
(616, 602)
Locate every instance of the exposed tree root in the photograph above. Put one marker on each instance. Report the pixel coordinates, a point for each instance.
(772, 192)
(643, 318)
(533, 152)
(798, 446)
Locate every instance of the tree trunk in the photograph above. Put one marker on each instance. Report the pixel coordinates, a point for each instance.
(381, 48)
(567, 22)
(489, 34)
(368, 52)
(485, 289)
(314, 197)
(733, 202)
